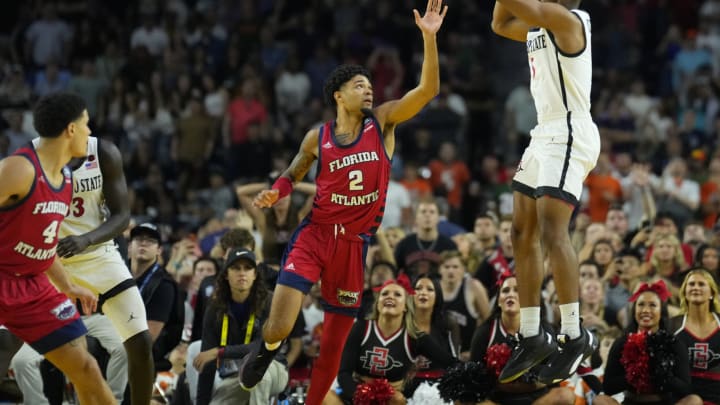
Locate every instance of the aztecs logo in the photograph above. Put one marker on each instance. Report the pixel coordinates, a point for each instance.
(64, 311)
(378, 361)
(347, 298)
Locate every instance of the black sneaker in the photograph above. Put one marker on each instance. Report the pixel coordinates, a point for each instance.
(254, 364)
(528, 353)
(565, 362)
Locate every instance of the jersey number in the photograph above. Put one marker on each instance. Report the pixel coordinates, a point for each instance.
(356, 179)
(77, 207)
(50, 232)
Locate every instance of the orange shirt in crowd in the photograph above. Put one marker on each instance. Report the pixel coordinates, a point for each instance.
(706, 192)
(603, 190)
(452, 176)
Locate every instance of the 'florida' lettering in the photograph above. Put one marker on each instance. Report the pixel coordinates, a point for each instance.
(355, 158)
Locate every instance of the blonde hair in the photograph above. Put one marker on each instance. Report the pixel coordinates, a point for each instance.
(678, 257)
(714, 302)
(408, 316)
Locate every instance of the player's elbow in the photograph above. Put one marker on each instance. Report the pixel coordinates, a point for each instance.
(496, 27)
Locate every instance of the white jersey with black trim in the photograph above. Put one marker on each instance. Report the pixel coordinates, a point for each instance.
(87, 211)
(559, 82)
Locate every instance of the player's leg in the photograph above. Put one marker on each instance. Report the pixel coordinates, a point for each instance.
(284, 310)
(341, 287)
(26, 365)
(73, 359)
(101, 328)
(555, 209)
(127, 313)
(298, 272)
(108, 275)
(9, 345)
(534, 346)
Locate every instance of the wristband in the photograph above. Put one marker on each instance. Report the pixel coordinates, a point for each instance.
(283, 185)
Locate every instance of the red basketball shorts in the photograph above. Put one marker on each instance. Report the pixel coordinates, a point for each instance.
(326, 253)
(36, 312)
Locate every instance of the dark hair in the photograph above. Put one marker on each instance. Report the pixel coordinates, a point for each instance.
(54, 112)
(701, 251)
(437, 318)
(340, 76)
(205, 258)
(221, 298)
(664, 318)
(237, 238)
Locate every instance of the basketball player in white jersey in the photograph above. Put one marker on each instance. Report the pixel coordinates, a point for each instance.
(99, 213)
(563, 149)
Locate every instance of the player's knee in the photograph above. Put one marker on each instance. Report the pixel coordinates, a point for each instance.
(139, 345)
(552, 234)
(276, 330)
(84, 370)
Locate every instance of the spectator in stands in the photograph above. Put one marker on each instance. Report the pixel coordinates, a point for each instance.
(698, 327)
(234, 318)
(159, 291)
(649, 315)
(419, 253)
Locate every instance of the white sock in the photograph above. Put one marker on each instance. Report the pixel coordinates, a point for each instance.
(272, 346)
(570, 320)
(530, 321)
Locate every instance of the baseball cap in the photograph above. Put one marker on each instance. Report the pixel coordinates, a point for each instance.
(147, 229)
(240, 254)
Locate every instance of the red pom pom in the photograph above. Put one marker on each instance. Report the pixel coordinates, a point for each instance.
(375, 392)
(636, 361)
(496, 357)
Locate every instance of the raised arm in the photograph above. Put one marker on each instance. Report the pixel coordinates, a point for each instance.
(116, 199)
(397, 111)
(507, 25)
(245, 195)
(297, 170)
(564, 24)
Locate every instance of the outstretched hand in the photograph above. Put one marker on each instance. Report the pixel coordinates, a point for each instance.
(266, 198)
(432, 20)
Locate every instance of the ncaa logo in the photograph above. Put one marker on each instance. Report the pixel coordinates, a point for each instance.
(347, 298)
(64, 311)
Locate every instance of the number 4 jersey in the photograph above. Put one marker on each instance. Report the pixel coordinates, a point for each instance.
(30, 226)
(352, 179)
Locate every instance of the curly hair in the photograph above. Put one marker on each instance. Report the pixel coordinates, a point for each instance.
(54, 112)
(341, 75)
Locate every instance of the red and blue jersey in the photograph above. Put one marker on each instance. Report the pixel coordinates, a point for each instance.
(352, 180)
(29, 228)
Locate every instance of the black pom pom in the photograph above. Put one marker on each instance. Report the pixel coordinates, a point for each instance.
(662, 358)
(466, 382)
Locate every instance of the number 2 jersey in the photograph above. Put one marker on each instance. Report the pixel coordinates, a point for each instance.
(352, 180)
(30, 226)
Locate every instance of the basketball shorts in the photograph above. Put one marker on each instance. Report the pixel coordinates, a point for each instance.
(100, 272)
(36, 312)
(326, 253)
(557, 161)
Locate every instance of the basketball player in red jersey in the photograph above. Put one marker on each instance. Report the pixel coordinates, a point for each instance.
(35, 194)
(353, 154)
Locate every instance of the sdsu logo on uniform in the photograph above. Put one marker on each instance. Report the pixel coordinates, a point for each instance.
(64, 311)
(347, 298)
(378, 361)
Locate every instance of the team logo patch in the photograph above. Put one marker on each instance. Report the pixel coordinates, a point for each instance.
(64, 311)
(347, 298)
